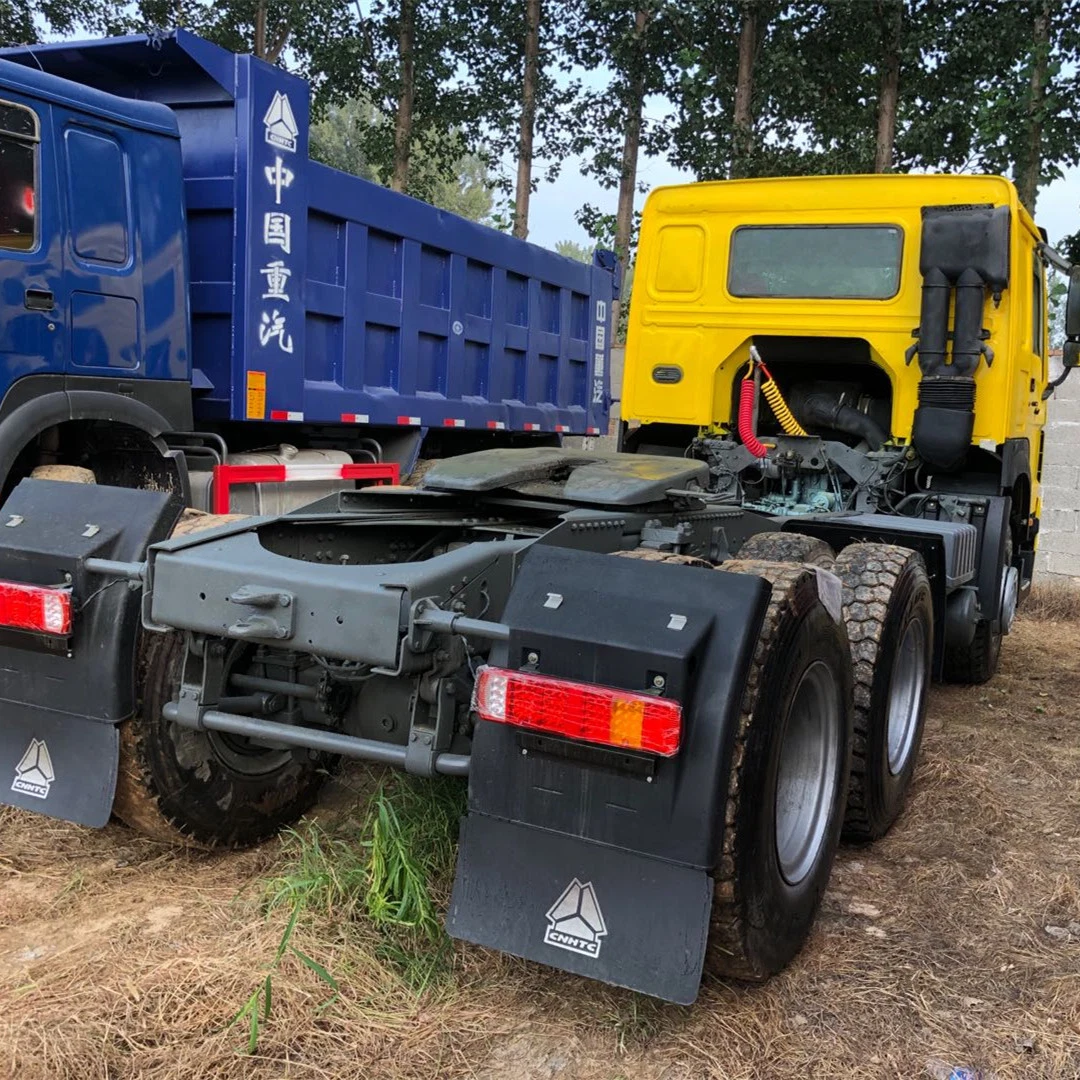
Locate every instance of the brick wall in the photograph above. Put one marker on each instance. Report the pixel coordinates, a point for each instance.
(1059, 538)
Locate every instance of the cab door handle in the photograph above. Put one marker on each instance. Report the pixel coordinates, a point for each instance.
(39, 300)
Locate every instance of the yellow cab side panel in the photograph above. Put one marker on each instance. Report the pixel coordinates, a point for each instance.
(683, 314)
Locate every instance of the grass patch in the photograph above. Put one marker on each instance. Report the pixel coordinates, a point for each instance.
(411, 843)
(393, 873)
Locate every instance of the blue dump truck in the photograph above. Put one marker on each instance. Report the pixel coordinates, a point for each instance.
(181, 285)
(668, 705)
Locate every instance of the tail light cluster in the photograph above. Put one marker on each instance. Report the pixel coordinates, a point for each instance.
(595, 714)
(33, 607)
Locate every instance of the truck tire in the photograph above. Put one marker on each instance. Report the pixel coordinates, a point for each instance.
(198, 788)
(889, 612)
(976, 663)
(788, 547)
(788, 783)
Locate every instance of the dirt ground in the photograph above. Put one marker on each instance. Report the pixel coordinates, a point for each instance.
(953, 942)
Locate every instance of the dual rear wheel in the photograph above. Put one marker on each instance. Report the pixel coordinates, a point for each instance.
(888, 614)
(830, 731)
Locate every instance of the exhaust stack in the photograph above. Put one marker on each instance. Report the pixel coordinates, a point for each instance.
(965, 251)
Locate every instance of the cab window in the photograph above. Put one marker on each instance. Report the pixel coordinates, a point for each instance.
(18, 154)
(824, 262)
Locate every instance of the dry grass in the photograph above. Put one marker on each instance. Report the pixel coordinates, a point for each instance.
(120, 958)
(1054, 601)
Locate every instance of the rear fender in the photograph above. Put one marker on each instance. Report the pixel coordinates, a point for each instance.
(556, 829)
(60, 699)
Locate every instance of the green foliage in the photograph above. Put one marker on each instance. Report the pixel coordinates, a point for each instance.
(570, 249)
(339, 139)
(461, 185)
(491, 52)
(21, 21)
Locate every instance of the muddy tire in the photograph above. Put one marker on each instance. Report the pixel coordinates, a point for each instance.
(201, 788)
(198, 787)
(788, 547)
(788, 782)
(889, 612)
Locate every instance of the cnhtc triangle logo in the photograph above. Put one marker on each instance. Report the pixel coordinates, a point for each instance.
(34, 773)
(575, 922)
(280, 123)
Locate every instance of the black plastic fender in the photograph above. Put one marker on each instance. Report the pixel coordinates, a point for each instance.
(641, 831)
(67, 695)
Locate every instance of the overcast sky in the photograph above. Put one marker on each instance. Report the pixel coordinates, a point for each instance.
(551, 213)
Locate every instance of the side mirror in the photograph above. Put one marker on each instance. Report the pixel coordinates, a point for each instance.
(1072, 305)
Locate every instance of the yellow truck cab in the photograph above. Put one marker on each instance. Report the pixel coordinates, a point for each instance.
(856, 346)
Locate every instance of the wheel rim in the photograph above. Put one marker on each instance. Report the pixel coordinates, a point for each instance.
(906, 695)
(809, 772)
(237, 752)
(1010, 592)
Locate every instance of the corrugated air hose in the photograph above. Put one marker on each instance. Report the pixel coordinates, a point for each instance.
(747, 393)
(783, 414)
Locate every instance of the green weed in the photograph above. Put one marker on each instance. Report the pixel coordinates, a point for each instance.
(255, 1012)
(411, 836)
(324, 874)
(395, 871)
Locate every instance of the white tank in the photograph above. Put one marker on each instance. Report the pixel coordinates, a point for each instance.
(268, 499)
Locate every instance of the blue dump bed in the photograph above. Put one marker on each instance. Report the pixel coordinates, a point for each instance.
(319, 297)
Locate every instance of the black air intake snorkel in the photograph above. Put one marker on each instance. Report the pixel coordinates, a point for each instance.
(965, 248)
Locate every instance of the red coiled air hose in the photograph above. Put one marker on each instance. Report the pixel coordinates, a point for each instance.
(746, 419)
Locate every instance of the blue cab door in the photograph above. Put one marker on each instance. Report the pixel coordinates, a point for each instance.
(33, 297)
(102, 274)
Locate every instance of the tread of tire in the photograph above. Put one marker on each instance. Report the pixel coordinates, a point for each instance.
(726, 953)
(788, 547)
(136, 802)
(868, 577)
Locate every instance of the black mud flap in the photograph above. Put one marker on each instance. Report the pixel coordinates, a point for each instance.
(611, 914)
(57, 765)
(61, 698)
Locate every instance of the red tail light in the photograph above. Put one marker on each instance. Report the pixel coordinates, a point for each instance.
(596, 714)
(32, 607)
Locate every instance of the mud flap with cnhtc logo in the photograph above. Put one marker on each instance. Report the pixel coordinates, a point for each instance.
(610, 914)
(57, 765)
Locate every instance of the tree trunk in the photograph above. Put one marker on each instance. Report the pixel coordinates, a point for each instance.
(260, 31)
(635, 104)
(1029, 165)
(403, 122)
(743, 115)
(528, 119)
(891, 17)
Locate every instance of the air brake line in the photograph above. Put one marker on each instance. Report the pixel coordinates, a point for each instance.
(747, 395)
(776, 401)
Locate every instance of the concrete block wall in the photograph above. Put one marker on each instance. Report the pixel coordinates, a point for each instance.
(1059, 538)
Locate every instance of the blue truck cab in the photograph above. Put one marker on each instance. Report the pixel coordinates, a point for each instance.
(179, 282)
